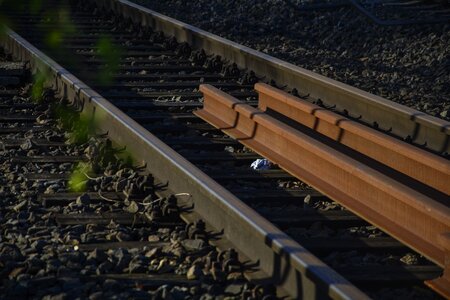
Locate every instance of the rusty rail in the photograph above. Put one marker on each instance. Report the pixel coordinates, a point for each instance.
(416, 163)
(373, 193)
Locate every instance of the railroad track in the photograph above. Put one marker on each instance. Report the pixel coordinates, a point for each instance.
(122, 237)
(388, 13)
(156, 86)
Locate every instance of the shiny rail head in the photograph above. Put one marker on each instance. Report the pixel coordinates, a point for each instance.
(290, 265)
(405, 122)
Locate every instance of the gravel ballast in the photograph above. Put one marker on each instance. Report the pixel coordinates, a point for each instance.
(406, 64)
(78, 220)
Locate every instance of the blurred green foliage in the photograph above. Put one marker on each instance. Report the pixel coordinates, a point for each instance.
(39, 80)
(4, 23)
(62, 28)
(79, 126)
(127, 158)
(78, 181)
(35, 6)
(54, 39)
(110, 55)
(57, 26)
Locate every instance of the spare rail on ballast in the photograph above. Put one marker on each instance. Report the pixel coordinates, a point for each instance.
(416, 163)
(316, 149)
(404, 122)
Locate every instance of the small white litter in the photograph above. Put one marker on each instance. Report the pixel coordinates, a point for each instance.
(261, 164)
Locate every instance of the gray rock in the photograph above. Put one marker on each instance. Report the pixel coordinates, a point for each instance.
(120, 185)
(39, 245)
(96, 296)
(132, 208)
(27, 145)
(136, 265)
(88, 270)
(43, 282)
(195, 272)
(8, 68)
(153, 238)
(123, 259)
(16, 272)
(10, 253)
(217, 273)
(104, 267)
(153, 253)
(23, 277)
(60, 296)
(409, 259)
(110, 285)
(162, 292)
(233, 289)
(122, 236)
(97, 255)
(70, 283)
(73, 257)
(164, 266)
(53, 265)
(83, 199)
(192, 245)
(20, 206)
(179, 293)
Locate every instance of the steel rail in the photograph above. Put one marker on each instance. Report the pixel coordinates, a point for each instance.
(415, 163)
(372, 193)
(406, 123)
(285, 263)
(371, 15)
